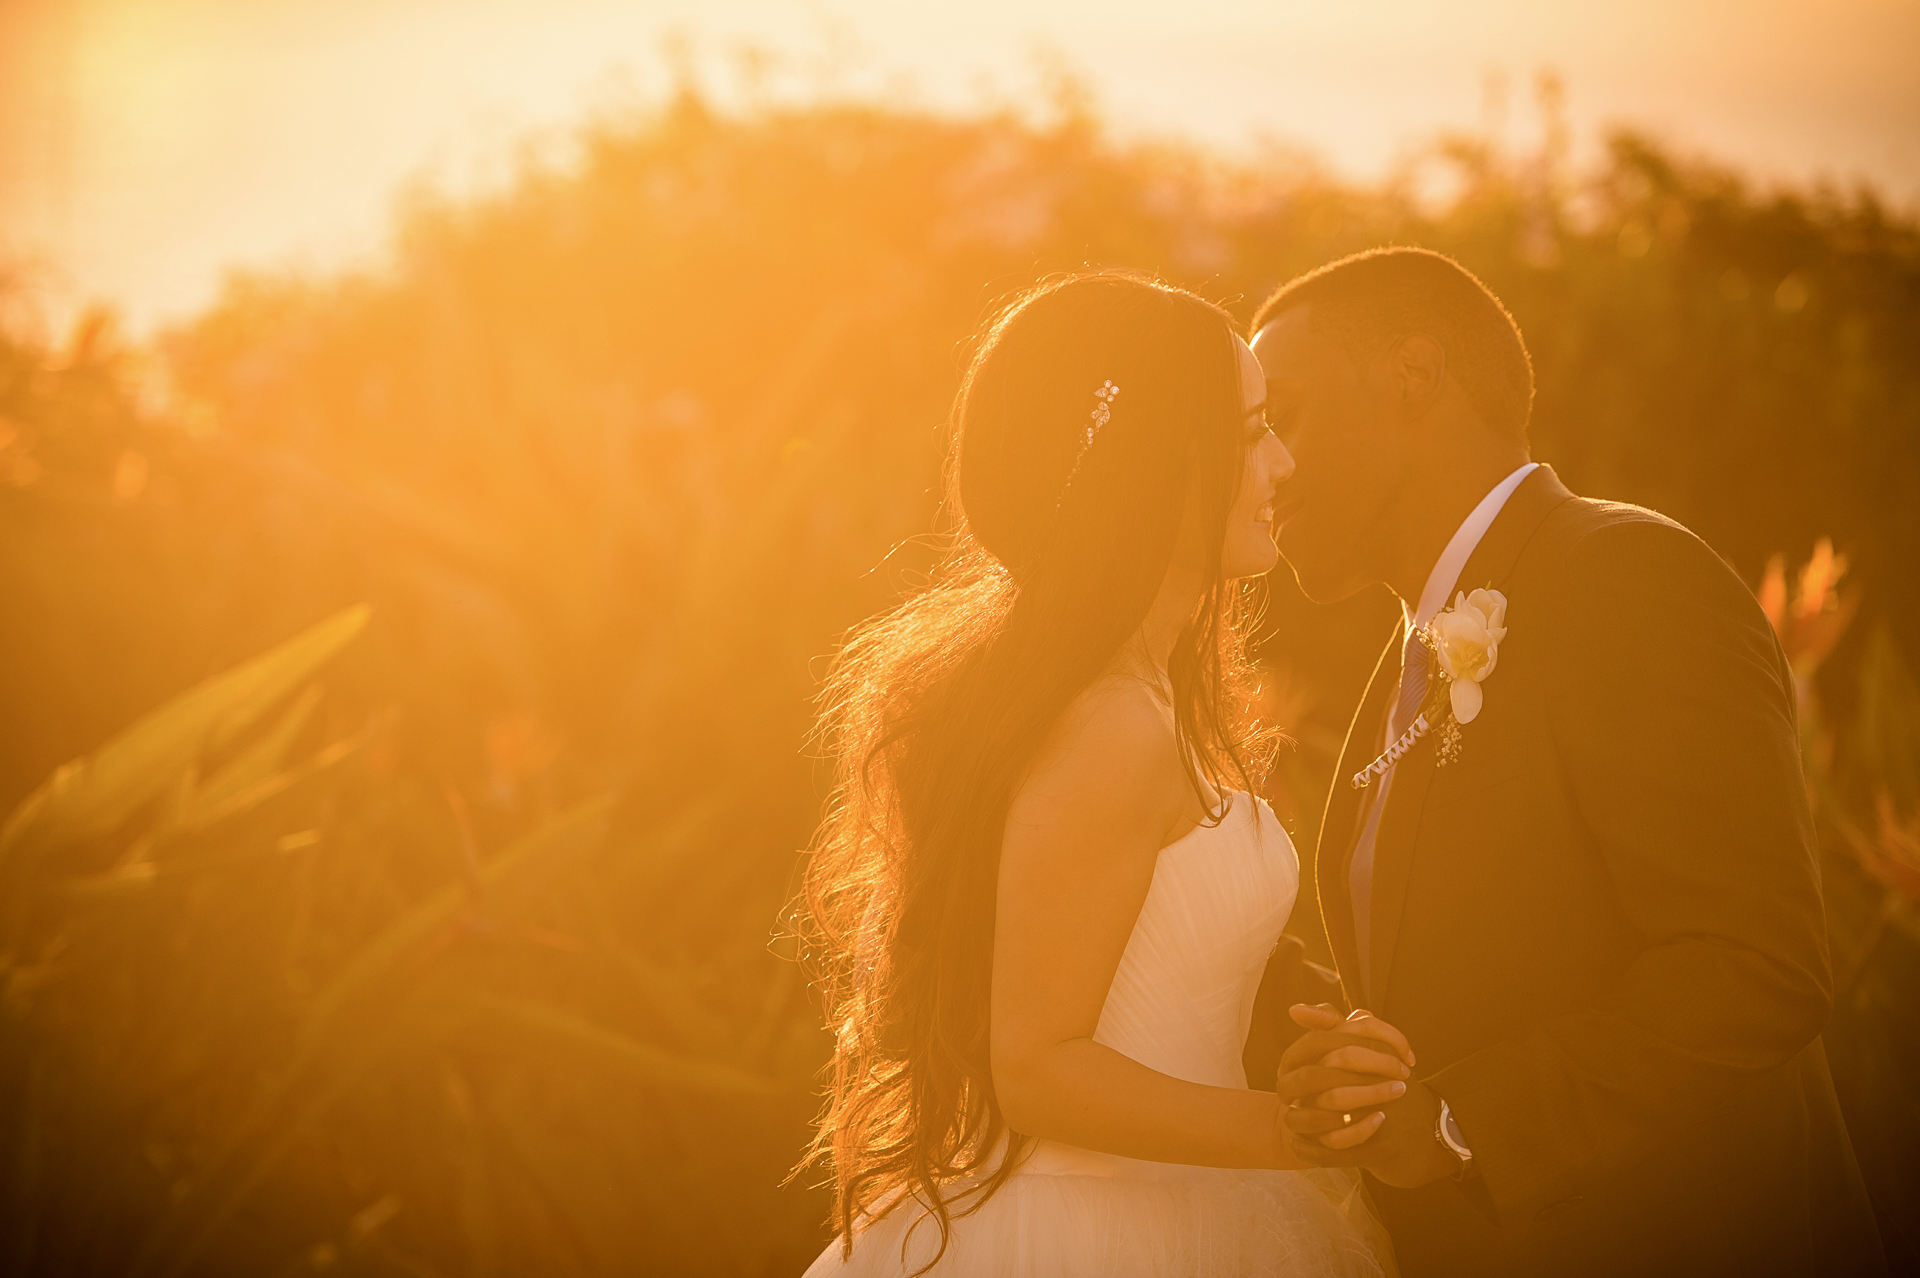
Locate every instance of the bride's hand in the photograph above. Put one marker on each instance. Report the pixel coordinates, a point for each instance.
(1343, 1066)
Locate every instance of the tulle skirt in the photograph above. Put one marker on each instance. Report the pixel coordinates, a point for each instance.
(1069, 1212)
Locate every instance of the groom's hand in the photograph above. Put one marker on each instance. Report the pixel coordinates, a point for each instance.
(1352, 1066)
(1339, 1112)
(1345, 1075)
(1402, 1151)
(1364, 1041)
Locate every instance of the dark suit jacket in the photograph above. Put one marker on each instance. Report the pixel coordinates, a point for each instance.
(1601, 926)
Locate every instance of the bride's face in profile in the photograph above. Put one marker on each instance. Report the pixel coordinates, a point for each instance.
(1250, 550)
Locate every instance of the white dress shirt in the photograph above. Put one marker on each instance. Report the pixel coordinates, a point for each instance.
(1433, 597)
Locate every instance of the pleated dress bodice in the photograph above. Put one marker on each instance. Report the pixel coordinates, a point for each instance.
(1182, 996)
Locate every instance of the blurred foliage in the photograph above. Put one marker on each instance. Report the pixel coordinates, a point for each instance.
(436, 939)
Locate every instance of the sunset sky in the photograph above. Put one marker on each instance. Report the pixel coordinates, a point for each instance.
(148, 145)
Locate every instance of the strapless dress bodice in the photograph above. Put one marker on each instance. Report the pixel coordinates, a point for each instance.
(1182, 996)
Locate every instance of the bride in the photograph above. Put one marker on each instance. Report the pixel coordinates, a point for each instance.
(1037, 909)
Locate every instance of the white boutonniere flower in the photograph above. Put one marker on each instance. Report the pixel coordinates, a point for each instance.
(1465, 640)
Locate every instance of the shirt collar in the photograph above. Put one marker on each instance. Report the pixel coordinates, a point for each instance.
(1446, 570)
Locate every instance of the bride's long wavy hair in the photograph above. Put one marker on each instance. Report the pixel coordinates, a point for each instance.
(932, 711)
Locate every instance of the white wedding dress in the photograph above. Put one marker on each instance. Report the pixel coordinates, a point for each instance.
(1181, 1002)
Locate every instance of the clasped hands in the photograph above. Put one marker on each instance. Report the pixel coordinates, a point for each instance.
(1348, 1098)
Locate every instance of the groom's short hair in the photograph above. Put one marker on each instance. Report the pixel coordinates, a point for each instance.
(1370, 298)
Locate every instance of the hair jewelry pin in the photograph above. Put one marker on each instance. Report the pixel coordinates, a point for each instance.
(1102, 411)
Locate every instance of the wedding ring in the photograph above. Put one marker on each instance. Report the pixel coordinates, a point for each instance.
(1346, 1120)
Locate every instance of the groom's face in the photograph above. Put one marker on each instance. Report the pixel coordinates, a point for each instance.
(1333, 413)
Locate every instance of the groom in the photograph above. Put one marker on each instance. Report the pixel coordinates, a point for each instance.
(1586, 891)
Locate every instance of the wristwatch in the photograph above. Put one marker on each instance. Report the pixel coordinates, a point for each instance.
(1447, 1132)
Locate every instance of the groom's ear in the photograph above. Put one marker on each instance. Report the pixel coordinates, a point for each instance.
(1418, 365)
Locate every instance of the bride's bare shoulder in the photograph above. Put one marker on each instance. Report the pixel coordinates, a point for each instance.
(1110, 762)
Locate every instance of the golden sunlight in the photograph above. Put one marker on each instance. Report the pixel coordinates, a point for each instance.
(1263, 637)
(149, 145)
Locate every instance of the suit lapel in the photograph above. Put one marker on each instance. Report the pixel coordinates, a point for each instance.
(1333, 853)
(1396, 842)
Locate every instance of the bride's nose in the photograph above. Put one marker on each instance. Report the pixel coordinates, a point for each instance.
(1283, 463)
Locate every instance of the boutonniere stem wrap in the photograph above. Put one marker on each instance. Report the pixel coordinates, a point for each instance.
(1391, 755)
(1465, 640)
